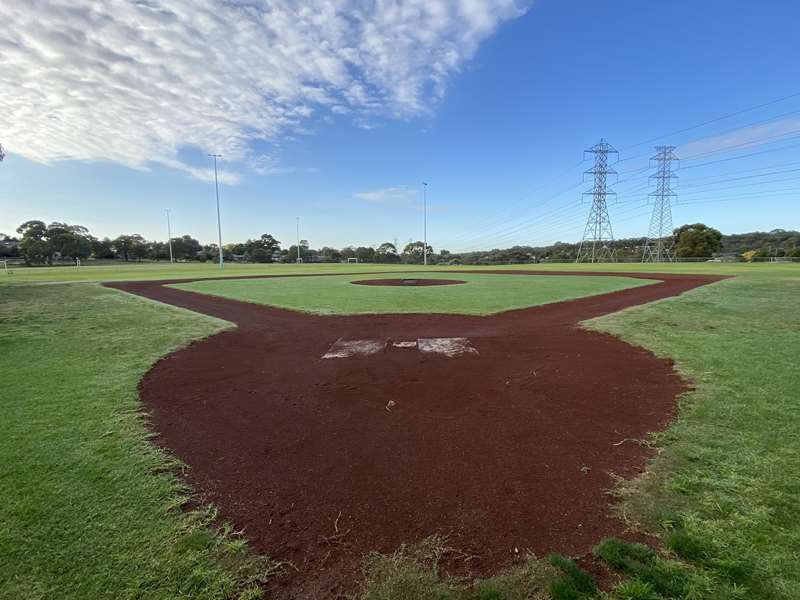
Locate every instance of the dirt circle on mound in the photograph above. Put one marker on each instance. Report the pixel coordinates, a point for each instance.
(409, 282)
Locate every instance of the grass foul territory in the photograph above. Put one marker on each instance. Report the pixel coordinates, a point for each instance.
(480, 295)
(724, 489)
(88, 507)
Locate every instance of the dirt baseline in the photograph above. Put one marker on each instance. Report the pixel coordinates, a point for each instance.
(408, 282)
(321, 461)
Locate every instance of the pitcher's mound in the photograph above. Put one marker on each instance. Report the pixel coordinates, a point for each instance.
(408, 282)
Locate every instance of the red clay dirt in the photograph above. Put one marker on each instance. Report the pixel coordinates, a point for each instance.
(503, 452)
(408, 282)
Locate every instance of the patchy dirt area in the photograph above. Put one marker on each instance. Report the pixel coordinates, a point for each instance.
(408, 282)
(503, 449)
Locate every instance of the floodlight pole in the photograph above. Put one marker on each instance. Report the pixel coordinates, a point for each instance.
(424, 223)
(169, 234)
(219, 221)
(298, 239)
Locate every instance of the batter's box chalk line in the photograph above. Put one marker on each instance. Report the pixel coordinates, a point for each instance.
(446, 346)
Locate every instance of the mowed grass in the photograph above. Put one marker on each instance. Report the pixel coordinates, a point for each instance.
(480, 295)
(724, 491)
(133, 271)
(88, 507)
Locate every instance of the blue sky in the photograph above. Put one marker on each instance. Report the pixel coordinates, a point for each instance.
(337, 114)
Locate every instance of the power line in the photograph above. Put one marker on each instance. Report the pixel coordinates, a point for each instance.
(721, 160)
(502, 221)
(714, 120)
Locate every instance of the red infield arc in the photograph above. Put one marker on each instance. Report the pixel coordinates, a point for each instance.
(503, 451)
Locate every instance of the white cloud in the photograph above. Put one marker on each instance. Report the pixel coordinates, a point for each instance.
(136, 81)
(744, 137)
(401, 195)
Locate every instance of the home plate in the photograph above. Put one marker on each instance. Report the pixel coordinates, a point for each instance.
(454, 346)
(342, 348)
(404, 344)
(450, 347)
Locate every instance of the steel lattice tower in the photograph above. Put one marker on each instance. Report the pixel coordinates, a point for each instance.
(658, 247)
(598, 236)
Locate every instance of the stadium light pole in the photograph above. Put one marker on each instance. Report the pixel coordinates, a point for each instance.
(219, 221)
(424, 223)
(169, 236)
(297, 219)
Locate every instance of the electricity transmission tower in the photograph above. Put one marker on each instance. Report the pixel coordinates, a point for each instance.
(658, 247)
(596, 244)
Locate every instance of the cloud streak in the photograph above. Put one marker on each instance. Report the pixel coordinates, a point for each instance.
(743, 138)
(136, 81)
(398, 196)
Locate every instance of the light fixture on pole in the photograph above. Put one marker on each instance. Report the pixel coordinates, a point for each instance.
(169, 236)
(424, 223)
(298, 239)
(219, 221)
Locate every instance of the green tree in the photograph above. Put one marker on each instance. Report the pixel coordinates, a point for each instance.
(365, 254)
(41, 243)
(305, 252)
(103, 248)
(126, 246)
(387, 253)
(157, 250)
(261, 249)
(187, 248)
(34, 246)
(69, 241)
(9, 246)
(696, 240)
(413, 252)
(329, 254)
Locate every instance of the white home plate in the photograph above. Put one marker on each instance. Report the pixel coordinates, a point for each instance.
(455, 346)
(342, 348)
(404, 343)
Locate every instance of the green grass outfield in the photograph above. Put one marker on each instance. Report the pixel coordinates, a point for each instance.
(88, 509)
(480, 295)
(144, 271)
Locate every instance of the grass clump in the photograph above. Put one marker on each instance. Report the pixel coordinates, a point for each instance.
(665, 577)
(529, 581)
(414, 572)
(409, 573)
(636, 589)
(687, 546)
(573, 582)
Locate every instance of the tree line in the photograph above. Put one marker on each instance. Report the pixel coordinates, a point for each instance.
(695, 240)
(38, 243)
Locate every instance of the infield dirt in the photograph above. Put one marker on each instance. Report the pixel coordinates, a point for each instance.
(321, 461)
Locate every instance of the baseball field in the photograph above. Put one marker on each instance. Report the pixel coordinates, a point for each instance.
(279, 431)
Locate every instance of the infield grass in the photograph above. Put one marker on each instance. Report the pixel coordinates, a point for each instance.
(480, 295)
